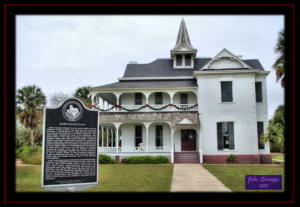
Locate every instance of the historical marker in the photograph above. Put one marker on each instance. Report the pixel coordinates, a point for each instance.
(70, 147)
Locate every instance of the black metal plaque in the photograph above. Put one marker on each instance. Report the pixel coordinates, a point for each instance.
(70, 145)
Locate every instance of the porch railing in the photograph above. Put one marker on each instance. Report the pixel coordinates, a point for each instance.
(133, 149)
(148, 108)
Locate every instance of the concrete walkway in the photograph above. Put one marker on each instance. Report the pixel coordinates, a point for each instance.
(193, 177)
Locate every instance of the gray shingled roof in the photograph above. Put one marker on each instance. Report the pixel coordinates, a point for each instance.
(164, 68)
(149, 84)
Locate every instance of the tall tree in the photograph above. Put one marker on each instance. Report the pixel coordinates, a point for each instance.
(83, 94)
(30, 101)
(275, 131)
(279, 65)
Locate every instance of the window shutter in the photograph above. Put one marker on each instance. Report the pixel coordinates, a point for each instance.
(220, 136)
(258, 91)
(226, 88)
(231, 135)
(260, 131)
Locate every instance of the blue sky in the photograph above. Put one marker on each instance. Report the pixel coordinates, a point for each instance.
(61, 53)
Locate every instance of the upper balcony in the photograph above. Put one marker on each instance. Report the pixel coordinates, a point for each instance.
(156, 101)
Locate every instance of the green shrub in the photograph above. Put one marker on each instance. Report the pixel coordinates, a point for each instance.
(145, 160)
(160, 160)
(105, 159)
(30, 155)
(231, 158)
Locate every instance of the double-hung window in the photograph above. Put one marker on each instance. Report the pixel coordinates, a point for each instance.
(178, 60)
(260, 132)
(159, 136)
(138, 99)
(226, 91)
(183, 98)
(225, 135)
(258, 91)
(138, 135)
(158, 98)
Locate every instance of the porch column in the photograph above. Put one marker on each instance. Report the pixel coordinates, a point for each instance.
(102, 136)
(111, 137)
(172, 145)
(171, 94)
(147, 94)
(115, 138)
(117, 125)
(147, 136)
(106, 137)
(200, 147)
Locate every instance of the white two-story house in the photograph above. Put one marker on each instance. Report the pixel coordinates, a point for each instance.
(191, 109)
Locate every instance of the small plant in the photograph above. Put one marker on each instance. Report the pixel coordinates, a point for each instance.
(30, 155)
(231, 158)
(105, 159)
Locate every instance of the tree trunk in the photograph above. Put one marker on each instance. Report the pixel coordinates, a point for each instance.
(31, 138)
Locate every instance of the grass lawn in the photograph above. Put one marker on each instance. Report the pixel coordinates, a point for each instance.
(112, 178)
(278, 156)
(233, 175)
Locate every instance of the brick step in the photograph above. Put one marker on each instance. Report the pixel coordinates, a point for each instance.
(187, 161)
(186, 157)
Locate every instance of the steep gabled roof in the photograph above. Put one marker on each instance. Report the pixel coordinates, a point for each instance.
(183, 43)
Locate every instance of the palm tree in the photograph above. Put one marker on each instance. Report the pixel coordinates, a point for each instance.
(30, 102)
(279, 65)
(83, 94)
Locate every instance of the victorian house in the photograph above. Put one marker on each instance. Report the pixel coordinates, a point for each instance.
(188, 108)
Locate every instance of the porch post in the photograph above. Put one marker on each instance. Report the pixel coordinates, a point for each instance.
(117, 125)
(106, 137)
(112, 137)
(147, 136)
(102, 136)
(200, 141)
(172, 145)
(171, 94)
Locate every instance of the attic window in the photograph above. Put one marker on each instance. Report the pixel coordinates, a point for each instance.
(188, 60)
(183, 61)
(178, 60)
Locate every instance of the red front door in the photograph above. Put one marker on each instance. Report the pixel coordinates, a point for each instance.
(188, 140)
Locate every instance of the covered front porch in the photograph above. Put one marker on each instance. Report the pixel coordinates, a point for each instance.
(124, 139)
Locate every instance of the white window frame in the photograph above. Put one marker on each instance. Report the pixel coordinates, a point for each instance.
(183, 62)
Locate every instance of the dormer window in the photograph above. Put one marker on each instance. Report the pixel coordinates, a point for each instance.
(188, 60)
(183, 61)
(178, 60)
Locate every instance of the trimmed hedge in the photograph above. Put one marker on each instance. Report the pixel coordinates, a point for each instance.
(145, 160)
(105, 159)
(30, 155)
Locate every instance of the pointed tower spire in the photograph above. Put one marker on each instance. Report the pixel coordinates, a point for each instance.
(183, 43)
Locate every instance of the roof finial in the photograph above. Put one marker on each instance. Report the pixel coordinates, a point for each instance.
(183, 40)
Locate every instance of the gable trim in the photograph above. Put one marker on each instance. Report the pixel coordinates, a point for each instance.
(230, 56)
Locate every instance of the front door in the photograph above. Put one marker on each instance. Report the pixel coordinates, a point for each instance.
(188, 140)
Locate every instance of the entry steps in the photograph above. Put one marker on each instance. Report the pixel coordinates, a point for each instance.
(186, 157)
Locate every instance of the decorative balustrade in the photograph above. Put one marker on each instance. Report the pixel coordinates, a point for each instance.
(134, 149)
(147, 108)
